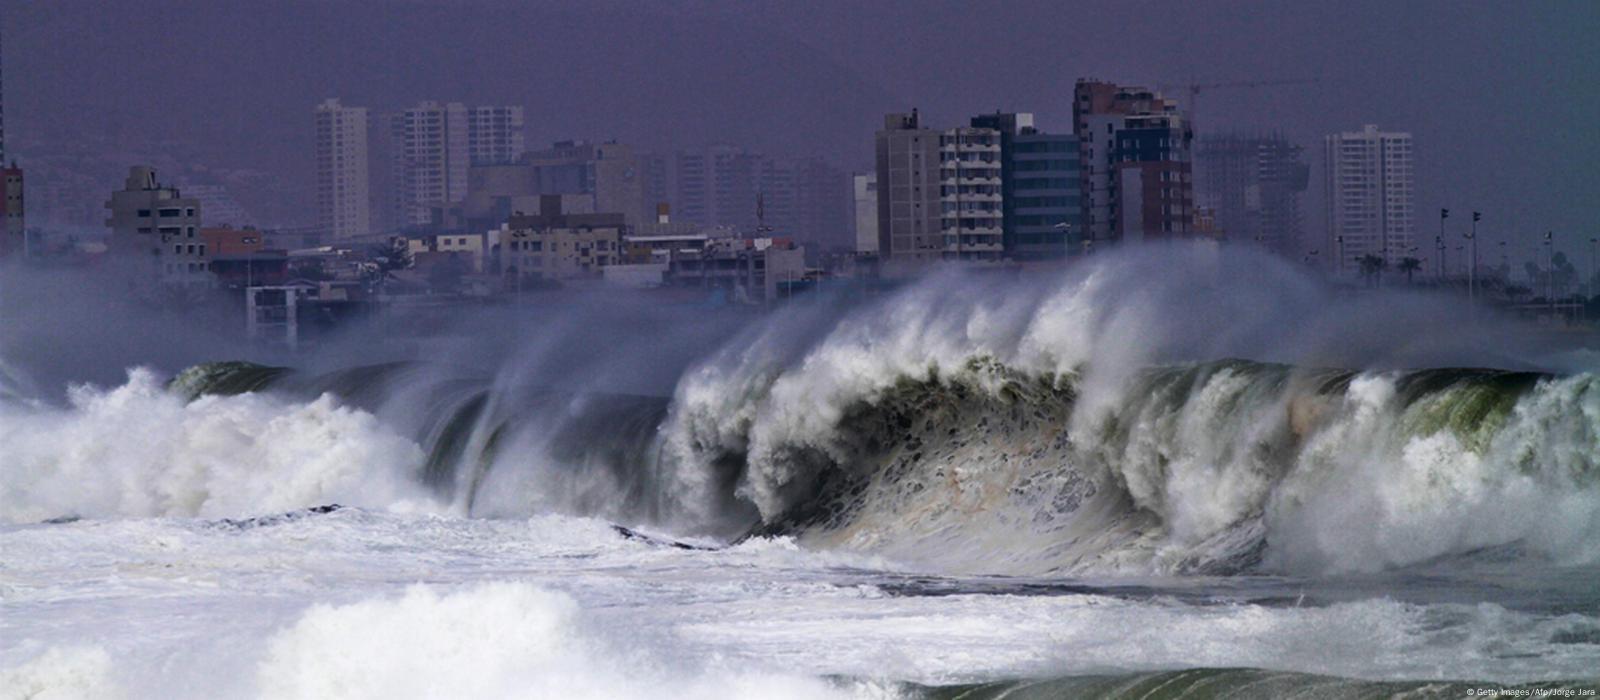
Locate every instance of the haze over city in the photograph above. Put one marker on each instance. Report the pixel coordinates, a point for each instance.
(873, 350)
(1495, 97)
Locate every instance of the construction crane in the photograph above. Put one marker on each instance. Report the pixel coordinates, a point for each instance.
(1194, 89)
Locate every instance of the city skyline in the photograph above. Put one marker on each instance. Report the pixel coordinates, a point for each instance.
(841, 350)
(838, 83)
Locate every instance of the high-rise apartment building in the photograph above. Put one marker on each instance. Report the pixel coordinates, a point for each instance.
(155, 232)
(343, 186)
(1252, 185)
(3, 160)
(777, 196)
(1369, 181)
(432, 145)
(726, 186)
(1137, 177)
(865, 187)
(971, 193)
(428, 157)
(495, 135)
(13, 226)
(939, 192)
(718, 186)
(1041, 186)
(608, 173)
(822, 195)
(908, 156)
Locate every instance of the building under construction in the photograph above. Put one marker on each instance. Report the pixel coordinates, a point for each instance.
(1253, 182)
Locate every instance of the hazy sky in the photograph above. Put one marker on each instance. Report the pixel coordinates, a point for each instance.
(1503, 97)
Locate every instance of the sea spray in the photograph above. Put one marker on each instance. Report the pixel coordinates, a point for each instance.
(140, 450)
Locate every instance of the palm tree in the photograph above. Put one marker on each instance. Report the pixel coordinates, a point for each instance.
(386, 258)
(1371, 266)
(1409, 266)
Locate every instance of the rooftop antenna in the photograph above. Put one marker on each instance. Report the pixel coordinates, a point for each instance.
(761, 214)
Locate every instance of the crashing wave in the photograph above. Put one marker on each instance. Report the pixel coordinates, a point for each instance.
(1004, 427)
(1211, 468)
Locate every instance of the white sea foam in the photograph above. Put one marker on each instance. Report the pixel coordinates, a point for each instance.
(140, 451)
(494, 640)
(61, 673)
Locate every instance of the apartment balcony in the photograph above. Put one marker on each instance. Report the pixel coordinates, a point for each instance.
(973, 244)
(971, 179)
(971, 197)
(970, 147)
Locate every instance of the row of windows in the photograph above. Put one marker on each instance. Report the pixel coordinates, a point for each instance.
(1045, 147)
(1046, 183)
(970, 139)
(1026, 166)
(1037, 202)
(582, 247)
(972, 206)
(1041, 238)
(179, 250)
(951, 190)
(1038, 220)
(969, 157)
(168, 212)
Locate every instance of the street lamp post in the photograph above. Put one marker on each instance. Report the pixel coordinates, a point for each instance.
(1443, 269)
(1066, 239)
(1339, 244)
(1550, 271)
(1472, 258)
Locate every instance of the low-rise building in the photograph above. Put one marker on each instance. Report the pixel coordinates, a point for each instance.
(466, 246)
(752, 269)
(155, 232)
(554, 246)
(470, 248)
(227, 240)
(13, 227)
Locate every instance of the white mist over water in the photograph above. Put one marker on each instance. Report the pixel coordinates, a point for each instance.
(1092, 424)
(140, 451)
(1169, 471)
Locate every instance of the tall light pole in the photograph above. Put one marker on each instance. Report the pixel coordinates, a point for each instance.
(1443, 269)
(1339, 243)
(1472, 264)
(1550, 271)
(1066, 239)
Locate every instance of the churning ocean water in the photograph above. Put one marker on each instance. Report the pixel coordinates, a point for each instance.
(1120, 482)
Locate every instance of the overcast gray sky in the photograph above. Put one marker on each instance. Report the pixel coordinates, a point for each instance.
(1503, 97)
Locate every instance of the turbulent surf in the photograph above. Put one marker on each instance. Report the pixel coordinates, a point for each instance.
(1079, 448)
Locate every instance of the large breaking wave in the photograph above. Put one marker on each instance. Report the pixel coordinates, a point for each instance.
(1179, 412)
